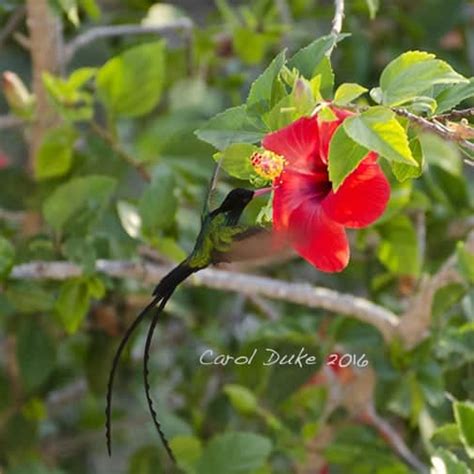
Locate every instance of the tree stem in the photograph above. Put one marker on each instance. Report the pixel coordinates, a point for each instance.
(45, 50)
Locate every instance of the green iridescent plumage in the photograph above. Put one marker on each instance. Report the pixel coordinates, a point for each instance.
(216, 237)
(219, 229)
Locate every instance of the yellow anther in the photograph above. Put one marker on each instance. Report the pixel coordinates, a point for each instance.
(267, 164)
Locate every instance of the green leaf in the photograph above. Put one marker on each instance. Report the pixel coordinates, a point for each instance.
(307, 59)
(81, 250)
(73, 304)
(131, 83)
(242, 398)
(234, 453)
(188, 450)
(344, 157)
(28, 297)
(72, 100)
(281, 115)
(456, 343)
(442, 153)
(169, 248)
(55, 153)
(262, 92)
(445, 462)
(7, 257)
(347, 93)
(378, 130)
(85, 195)
(91, 7)
(412, 74)
(36, 354)
(32, 467)
(373, 6)
(234, 125)
(447, 435)
(80, 77)
(403, 171)
(145, 460)
(398, 250)
(465, 262)
(235, 160)
(250, 45)
(158, 203)
(464, 415)
(70, 9)
(130, 219)
(453, 95)
(325, 72)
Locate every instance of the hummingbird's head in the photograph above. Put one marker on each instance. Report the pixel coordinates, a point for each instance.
(237, 199)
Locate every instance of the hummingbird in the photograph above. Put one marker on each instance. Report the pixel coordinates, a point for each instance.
(220, 232)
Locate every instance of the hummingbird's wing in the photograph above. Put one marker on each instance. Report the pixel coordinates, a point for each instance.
(254, 244)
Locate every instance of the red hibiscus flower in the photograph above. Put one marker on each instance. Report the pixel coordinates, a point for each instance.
(305, 207)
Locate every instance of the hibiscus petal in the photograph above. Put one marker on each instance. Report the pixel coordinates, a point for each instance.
(292, 188)
(362, 197)
(296, 142)
(317, 238)
(327, 129)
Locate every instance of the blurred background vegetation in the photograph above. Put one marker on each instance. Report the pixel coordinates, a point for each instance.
(130, 183)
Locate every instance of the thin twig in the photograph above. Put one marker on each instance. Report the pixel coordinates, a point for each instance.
(12, 24)
(434, 127)
(66, 395)
(107, 137)
(392, 437)
(22, 40)
(122, 30)
(267, 309)
(456, 115)
(338, 17)
(16, 217)
(10, 121)
(299, 293)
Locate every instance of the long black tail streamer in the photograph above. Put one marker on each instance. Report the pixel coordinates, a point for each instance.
(146, 372)
(118, 353)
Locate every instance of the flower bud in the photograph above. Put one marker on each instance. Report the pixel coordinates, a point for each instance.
(302, 95)
(16, 94)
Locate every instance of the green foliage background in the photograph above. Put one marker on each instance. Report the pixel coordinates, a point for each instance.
(133, 103)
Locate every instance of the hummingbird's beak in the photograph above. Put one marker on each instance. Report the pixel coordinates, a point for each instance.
(261, 192)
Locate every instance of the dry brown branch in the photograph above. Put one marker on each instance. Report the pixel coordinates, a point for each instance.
(456, 115)
(434, 127)
(393, 438)
(252, 285)
(45, 50)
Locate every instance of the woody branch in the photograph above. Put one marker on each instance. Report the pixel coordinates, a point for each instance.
(412, 326)
(252, 285)
(46, 42)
